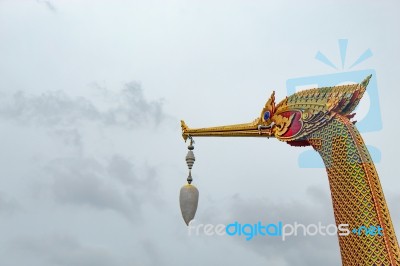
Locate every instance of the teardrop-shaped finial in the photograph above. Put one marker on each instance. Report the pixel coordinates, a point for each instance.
(188, 200)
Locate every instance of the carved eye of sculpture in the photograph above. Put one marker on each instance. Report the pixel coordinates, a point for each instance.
(267, 115)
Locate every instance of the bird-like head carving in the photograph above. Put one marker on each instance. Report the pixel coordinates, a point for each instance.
(295, 117)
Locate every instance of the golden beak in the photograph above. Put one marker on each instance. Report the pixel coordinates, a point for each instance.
(253, 129)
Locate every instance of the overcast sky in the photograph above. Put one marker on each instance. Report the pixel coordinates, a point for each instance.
(91, 154)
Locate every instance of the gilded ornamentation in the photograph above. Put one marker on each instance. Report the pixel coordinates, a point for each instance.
(321, 118)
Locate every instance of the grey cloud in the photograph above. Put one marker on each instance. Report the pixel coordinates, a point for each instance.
(57, 250)
(135, 108)
(48, 4)
(8, 205)
(395, 211)
(128, 109)
(300, 250)
(152, 253)
(318, 196)
(110, 184)
(66, 117)
(69, 136)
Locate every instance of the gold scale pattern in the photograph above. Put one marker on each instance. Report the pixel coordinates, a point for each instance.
(357, 195)
(356, 191)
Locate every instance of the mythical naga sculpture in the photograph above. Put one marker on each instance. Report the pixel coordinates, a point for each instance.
(321, 118)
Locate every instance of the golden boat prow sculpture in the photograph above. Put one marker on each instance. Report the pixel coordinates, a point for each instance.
(321, 118)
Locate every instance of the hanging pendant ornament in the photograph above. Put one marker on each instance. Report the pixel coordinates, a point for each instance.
(189, 195)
